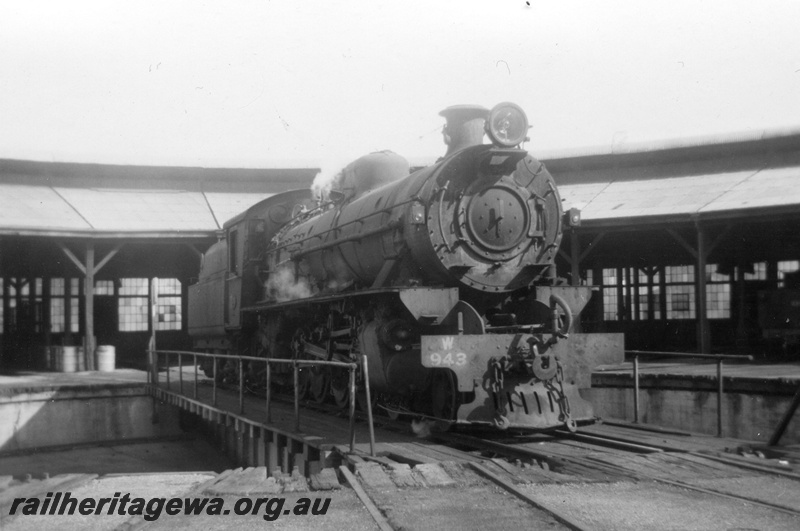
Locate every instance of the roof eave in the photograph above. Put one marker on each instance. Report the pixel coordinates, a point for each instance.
(632, 223)
(111, 235)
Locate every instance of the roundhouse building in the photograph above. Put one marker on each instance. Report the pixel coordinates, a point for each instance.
(684, 242)
(66, 226)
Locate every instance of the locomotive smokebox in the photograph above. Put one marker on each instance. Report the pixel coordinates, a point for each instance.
(465, 126)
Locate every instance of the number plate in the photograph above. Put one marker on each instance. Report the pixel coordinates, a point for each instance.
(466, 355)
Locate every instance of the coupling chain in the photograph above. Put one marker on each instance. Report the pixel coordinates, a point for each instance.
(498, 371)
(561, 400)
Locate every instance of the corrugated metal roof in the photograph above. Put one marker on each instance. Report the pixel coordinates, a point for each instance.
(226, 206)
(100, 200)
(37, 207)
(767, 188)
(44, 208)
(118, 210)
(685, 196)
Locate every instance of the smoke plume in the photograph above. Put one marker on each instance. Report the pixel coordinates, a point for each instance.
(329, 178)
(282, 286)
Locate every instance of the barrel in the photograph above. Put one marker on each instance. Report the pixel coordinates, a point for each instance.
(53, 357)
(105, 358)
(81, 355)
(69, 359)
(43, 361)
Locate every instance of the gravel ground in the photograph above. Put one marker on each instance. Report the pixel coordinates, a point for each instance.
(477, 507)
(654, 506)
(769, 489)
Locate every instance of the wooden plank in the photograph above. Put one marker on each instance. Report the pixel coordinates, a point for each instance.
(446, 453)
(403, 454)
(594, 442)
(373, 510)
(655, 465)
(664, 441)
(766, 468)
(645, 427)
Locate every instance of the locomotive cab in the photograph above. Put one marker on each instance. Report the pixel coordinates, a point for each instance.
(231, 269)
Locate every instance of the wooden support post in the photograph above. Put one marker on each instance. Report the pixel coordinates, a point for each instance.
(46, 319)
(273, 451)
(89, 270)
(230, 439)
(261, 447)
(313, 460)
(241, 386)
(285, 455)
(628, 289)
(575, 258)
(636, 389)
(269, 393)
(240, 440)
(720, 393)
(153, 314)
(297, 454)
(296, 380)
(575, 263)
(662, 289)
(700, 255)
(88, 316)
(703, 333)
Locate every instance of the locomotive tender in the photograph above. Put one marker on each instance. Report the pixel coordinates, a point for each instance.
(444, 278)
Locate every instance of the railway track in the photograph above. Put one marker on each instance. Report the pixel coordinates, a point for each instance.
(639, 462)
(565, 502)
(524, 466)
(555, 476)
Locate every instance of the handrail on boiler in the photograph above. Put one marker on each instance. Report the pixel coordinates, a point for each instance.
(153, 356)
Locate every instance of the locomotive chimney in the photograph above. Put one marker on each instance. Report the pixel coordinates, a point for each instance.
(465, 126)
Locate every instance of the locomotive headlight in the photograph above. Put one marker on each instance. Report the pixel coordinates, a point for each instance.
(507, 125)
(573, 217)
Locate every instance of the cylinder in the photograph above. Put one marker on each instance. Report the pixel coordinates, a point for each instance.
(69, 359)
(106, 358)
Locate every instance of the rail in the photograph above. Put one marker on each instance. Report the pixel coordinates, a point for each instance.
(153, 379)
(720, 386)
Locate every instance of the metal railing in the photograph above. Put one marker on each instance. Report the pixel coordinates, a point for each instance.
(352, 367)
(720, 386)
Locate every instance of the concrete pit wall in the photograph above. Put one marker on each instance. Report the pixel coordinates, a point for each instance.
(38, 418)
(745, 416)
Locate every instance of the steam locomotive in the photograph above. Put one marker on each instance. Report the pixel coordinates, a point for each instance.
(443, 277)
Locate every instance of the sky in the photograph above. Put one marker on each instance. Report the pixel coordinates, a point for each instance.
(253, 84)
